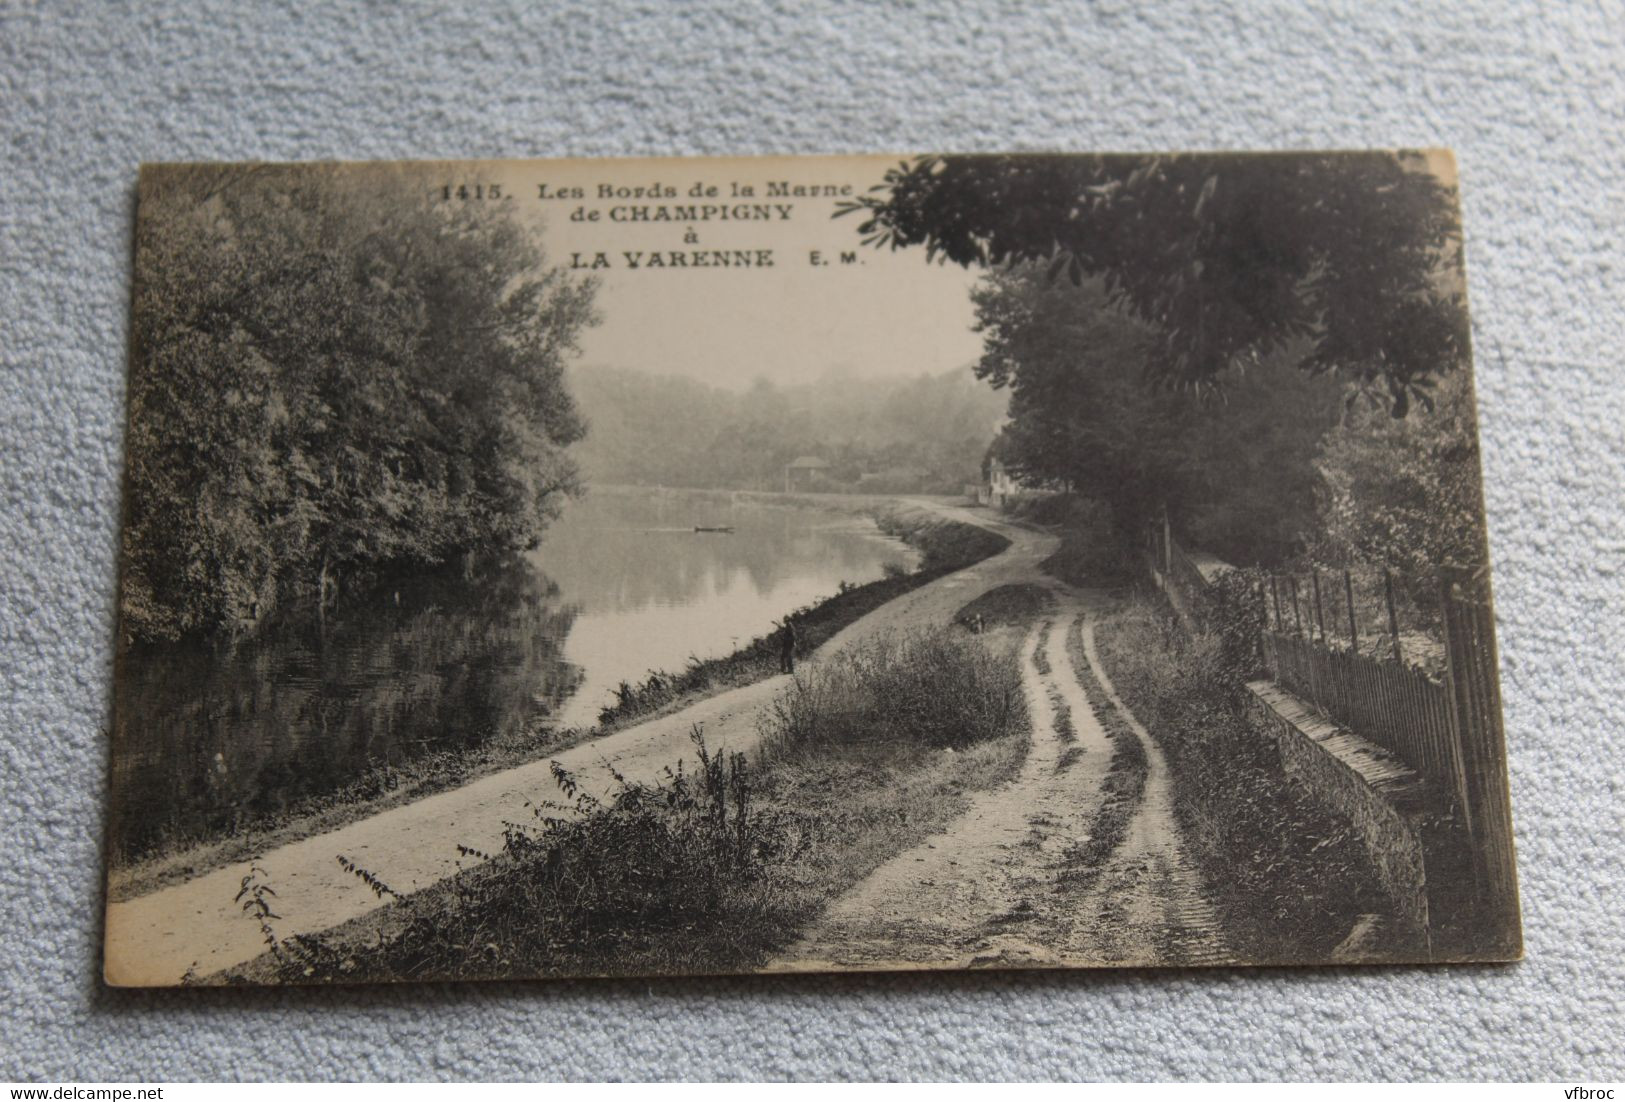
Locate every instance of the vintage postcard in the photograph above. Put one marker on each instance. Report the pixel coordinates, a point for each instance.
(653, 567)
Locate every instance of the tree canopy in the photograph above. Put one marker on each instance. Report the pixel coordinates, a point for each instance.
(1351, 260)
(330, 374)
(1405, 494)
(1238, 473)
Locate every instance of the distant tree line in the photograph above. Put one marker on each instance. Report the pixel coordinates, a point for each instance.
(926, 433)
(333, 375)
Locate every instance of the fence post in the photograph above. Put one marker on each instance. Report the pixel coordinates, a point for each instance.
(1263, 621)
(1459, 716)
(1483, 754)
(1393, 620)
(1275, 592)
(1297, 618)
(1320, 613)
(1167, 544)
(1354, 633)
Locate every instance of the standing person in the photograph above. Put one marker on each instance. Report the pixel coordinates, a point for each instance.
(787, 647)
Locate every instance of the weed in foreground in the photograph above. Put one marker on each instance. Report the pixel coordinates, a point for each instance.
(255, 894)
(586, 884)
(375, 885)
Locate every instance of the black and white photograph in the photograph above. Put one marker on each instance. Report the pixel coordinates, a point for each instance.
(658, 567)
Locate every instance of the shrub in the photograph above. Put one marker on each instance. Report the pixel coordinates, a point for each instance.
(653, 856)
(947, 546)
(1232, 612)
(933, 688)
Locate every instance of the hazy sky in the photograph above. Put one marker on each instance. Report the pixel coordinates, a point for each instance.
(895, 315)
(886, 313)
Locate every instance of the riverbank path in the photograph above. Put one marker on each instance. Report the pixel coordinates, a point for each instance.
(197, 926)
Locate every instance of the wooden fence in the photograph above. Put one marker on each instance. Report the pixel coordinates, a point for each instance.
(1474, 682)
(1448, 729)
(1344, 657)
(1397, 707)
(1174, 572)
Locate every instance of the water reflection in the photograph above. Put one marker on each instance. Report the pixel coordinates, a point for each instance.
(653, 592)
(212, 737)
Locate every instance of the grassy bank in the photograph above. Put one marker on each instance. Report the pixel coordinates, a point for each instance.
(1005, 605)
(945, 546)
(727, 860)
(1290, 879)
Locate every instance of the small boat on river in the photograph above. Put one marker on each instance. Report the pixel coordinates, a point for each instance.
(728, 528)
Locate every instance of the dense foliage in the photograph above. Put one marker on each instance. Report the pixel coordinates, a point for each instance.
(331, 374)
(1237, 469)
(1268, 348)
(1404, 494)
(904, 435)
(1229, 259)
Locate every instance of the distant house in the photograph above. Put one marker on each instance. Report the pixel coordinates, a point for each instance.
(804, 472)
(1000, 486)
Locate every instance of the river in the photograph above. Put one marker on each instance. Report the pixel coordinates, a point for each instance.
(214, 736)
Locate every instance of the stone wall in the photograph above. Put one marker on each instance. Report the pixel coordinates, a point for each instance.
(1384, 800)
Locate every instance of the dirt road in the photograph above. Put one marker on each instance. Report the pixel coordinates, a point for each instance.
(1014, 882)
(196, 925)
(1147, 899)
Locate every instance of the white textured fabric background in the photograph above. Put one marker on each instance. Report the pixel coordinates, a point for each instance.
(1533, 103)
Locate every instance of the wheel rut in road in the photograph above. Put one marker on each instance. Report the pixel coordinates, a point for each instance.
(1148, 897)
(1002, 886)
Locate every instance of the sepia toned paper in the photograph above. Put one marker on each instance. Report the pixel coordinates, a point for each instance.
(585, 568)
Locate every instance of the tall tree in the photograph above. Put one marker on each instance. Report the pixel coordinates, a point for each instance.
(1350, 258)
(1078, 416)
(331, 374)
(1235, 470)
